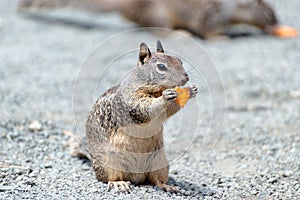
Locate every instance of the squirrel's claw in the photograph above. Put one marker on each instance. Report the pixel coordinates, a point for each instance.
(172, 189)
(193, 91)
(169, 94)
(119, 186)
(168, 188)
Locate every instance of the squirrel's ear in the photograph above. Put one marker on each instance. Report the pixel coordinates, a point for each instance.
(145, 53)
(159, 47)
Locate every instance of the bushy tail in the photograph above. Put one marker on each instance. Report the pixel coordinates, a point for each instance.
(91, 5)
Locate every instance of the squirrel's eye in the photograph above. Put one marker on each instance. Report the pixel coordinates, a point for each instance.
(162, 67)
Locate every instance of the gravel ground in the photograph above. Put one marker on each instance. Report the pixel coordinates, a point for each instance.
(256, 157)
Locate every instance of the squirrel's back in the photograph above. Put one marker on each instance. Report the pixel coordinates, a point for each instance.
(202, 17)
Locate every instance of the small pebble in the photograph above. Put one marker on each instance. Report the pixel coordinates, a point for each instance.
(35, 126)
(295, 94)
(187, 193)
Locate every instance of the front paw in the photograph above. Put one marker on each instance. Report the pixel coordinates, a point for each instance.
(193, 91)
(169, 94)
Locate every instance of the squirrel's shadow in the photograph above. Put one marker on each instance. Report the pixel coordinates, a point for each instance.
(235, 33)
(192, 188)
(72, 22)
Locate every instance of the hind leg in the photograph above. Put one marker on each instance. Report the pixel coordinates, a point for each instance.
(160, 178)
(115, 179)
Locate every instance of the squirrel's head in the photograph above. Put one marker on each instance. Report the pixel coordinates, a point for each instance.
(159, 70)
(256, 12)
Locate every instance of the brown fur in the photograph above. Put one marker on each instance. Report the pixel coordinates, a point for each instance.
(206, 18)
(124, 129)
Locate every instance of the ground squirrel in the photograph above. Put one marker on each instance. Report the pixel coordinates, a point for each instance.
(205, 18)
(124, 129)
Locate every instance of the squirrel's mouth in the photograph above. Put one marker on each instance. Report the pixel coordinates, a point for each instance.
(179, 85)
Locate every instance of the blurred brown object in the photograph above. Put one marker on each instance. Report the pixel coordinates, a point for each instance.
(205, 18)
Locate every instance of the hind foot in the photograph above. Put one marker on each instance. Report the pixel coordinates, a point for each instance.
(119, 186)
(168, 188)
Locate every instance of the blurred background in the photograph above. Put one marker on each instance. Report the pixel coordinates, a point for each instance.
(43, 53)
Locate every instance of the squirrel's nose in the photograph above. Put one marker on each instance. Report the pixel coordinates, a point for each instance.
(186, 77)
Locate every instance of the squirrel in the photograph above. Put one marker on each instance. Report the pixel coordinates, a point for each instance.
(205, 18)
(124, 129)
